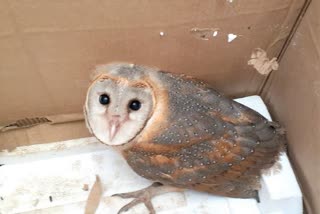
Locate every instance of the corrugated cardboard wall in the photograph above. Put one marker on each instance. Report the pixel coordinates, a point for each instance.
(48, 48)
(294, 97)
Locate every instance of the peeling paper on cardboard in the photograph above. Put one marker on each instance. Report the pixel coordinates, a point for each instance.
(204, 33)
(262, 63)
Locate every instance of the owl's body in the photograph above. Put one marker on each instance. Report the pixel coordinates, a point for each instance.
(190, 136)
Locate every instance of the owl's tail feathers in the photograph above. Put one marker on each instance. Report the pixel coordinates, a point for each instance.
(279, 139)
(267, 134)
(280, 135)
(272, 138)
(267, 140)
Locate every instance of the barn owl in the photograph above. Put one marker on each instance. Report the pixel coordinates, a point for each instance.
(180, 133)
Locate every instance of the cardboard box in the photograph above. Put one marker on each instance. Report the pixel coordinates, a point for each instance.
(48, 49)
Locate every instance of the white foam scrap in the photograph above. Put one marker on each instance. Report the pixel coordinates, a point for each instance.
(231, 37)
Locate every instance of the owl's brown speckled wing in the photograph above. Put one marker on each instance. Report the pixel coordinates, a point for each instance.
(208, 143)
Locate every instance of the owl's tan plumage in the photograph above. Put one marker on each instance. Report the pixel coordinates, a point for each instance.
(193, 137)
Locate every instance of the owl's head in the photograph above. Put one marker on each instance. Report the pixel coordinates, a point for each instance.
(119, 103)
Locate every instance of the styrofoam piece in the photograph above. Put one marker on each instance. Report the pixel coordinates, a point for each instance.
(49, 178)
(238, 205)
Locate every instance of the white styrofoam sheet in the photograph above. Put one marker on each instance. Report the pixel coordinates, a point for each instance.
(34, 174)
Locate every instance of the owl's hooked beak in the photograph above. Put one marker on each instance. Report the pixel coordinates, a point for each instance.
(114, 125)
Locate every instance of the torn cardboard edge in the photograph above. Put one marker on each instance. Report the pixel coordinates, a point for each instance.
(204, 33)
(30, 122)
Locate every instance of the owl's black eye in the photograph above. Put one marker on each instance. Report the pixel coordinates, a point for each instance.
(135, 105)
(104, 99)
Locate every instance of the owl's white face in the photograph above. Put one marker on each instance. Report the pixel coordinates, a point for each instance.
(117, 110)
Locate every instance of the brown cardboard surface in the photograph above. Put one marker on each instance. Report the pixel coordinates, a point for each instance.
(48, 48)
(293, 94)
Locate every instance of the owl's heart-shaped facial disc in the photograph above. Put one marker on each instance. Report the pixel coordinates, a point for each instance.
(117, 108)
